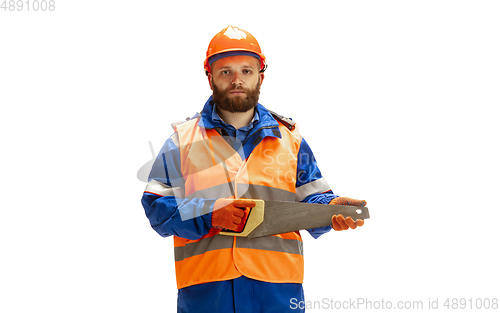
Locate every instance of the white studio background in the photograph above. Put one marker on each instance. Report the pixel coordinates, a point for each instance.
(396, 98)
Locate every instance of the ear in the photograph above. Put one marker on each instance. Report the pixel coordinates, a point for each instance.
(261, 78)
(210, 80)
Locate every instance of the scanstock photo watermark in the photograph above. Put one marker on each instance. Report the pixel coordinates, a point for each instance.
(272, 162)
(384, 304)
(220, 156)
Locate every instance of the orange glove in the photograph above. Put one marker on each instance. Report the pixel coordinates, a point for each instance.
(338, 221)
(231, 213)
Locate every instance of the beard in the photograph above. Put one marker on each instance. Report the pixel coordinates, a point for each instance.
(236, 104)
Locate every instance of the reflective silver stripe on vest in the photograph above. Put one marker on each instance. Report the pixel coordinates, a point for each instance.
(317, 186)
(199, 247)
(271, 243)
(244, 191)
(264, 192)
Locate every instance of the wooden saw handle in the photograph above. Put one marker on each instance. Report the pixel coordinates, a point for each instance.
(255, 218)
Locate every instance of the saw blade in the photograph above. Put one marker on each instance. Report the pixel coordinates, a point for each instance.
(281, 216)
(277, 217)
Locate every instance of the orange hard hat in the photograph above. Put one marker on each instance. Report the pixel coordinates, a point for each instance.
(233, 41)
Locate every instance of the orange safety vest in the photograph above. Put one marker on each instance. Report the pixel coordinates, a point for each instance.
(212, 169)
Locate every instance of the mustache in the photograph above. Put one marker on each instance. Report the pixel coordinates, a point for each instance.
(236, 88)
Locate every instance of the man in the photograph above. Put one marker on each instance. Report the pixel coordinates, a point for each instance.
(208, 172)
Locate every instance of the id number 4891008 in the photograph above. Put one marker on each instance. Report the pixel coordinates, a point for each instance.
(28, 5)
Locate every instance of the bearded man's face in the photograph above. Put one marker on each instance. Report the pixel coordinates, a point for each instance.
(235, 82)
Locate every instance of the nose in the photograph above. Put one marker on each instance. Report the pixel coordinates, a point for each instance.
(236, 79)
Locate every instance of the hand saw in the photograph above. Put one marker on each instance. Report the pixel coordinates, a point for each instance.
(277, 217)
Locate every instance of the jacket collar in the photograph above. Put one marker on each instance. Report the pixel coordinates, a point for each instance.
(266, 120)
(266, 126)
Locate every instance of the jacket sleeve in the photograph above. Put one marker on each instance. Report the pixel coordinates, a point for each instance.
(163, 200)
(311, 186)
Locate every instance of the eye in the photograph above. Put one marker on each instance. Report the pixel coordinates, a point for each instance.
(247, 71)
(224, 72)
